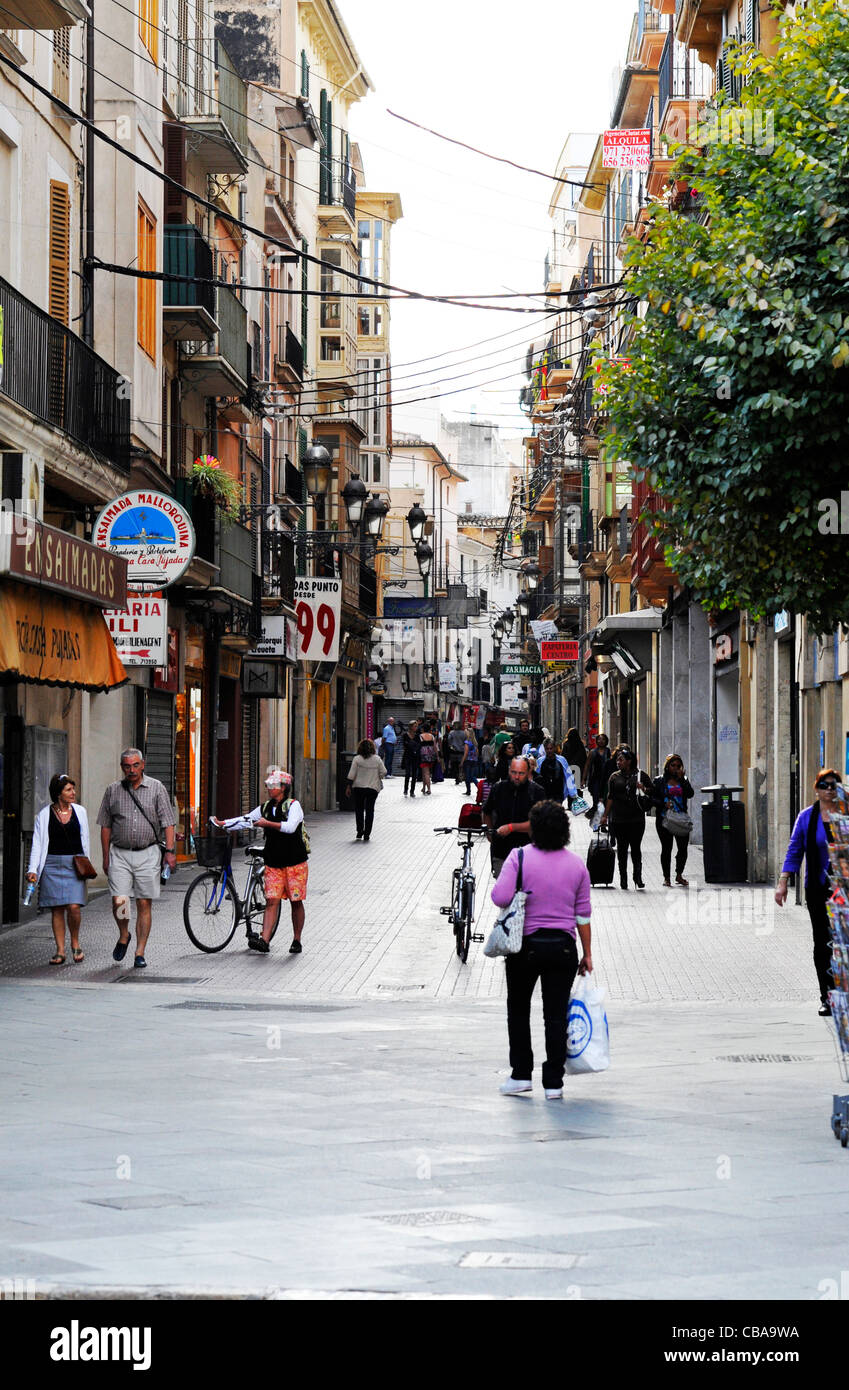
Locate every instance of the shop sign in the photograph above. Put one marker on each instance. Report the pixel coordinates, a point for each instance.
(55, 641)
(559, 651)
(272, 641)
(153, 532)
(447, 675)
(54, 559)
(263, 678)
(140, 631)
(544, 628)
(626, 149)
(521, 668)
(318, 605)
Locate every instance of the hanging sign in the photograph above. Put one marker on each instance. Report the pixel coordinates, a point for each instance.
(558, 651)
(447, 675)
(627, 149)
(318, 604)
(272, 641)
(153, 532)
(140, 631)
(521, 668)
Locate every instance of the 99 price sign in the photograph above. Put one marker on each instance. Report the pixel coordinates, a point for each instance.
(318, 604)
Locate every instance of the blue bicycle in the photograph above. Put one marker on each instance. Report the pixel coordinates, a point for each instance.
(212, 907)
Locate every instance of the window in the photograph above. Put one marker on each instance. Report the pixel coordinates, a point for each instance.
(60, 252)
(62, 63)
(363, 322)
(149, 26)
(146, 289)
(331, 349)
(305, 75)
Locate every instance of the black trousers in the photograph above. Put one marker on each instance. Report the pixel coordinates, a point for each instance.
(682, 844)
(364, 799)
(629, 835)
(411, 773)
(551, 957)
(816, 896)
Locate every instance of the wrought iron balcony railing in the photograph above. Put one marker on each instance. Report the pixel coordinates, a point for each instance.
(186, 252)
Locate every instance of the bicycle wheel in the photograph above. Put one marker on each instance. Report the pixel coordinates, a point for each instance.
(256, 910)
(211, 911)
(464, 926)
(455, 909)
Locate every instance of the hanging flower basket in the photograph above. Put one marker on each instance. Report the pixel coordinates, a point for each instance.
(209, 480)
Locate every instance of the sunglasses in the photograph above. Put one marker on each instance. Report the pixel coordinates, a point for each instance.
(826, 786)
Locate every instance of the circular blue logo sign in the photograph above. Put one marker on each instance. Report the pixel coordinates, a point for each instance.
(579, 1029)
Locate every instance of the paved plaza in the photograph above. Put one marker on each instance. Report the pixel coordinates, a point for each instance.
(330, 1124)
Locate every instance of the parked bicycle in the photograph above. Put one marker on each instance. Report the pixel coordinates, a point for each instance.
(212, 907)
(461, 912)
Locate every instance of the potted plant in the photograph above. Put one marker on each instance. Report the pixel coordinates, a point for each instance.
(208, 479)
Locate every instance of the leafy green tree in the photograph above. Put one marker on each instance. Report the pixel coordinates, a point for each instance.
(734, 399)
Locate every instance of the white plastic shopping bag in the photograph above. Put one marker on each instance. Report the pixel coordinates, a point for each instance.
(587, 1035)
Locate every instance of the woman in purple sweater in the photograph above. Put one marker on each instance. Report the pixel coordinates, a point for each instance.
(556, 912)
(809, 842)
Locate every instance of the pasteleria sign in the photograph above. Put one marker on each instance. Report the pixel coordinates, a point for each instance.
(140, 631)
(153, 532)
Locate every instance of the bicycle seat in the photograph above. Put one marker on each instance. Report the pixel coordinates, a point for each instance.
(253, 851)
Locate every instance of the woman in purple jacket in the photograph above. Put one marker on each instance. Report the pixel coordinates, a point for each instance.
(808, 841)
(556, 911)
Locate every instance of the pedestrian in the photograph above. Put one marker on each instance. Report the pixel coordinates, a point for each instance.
(808, 840)
(557, 911)
(366, 779)
(522, 739)
(550, 775)
(411, 747)
(501, 767)
(387, 748)
(61, 833)
(506, 811)
(134, 817)
(671, 793)
(575, 753)
(284, 854)
(454, 751)
(428, 757)
(469, 760)
(595, 772)
(499, 739)
(629, 792)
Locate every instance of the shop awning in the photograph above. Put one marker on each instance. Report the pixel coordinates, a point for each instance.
(55, 641)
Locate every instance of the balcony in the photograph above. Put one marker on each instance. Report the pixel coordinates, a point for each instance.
(280, 220)
(368, 592)
(188, 309)
(650, 573)
(290, 482)
(337, 196)
(43, 14)
(218, 132)
(698, 24)
(588, 545)
(289, 357)
(278, 567)
(51, 373)
(683, 85)
(220, 366)
(652, 28)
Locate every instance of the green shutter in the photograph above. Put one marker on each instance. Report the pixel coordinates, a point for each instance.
(324, 167)
(304, 299)
(305, 75)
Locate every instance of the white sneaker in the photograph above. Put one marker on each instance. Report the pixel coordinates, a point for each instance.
(551, 1094)
(514, 1088)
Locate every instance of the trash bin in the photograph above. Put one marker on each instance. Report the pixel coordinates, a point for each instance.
(343, 767)
(724, 836)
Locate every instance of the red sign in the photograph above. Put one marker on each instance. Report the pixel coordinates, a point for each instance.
(558, 651)
(626, 149)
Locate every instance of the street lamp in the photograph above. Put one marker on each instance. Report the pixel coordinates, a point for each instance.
(354, 495)
(424, 558)
(375, 514)
(532, 574)
(316, 467)
(523, 602)
(416, 518)
(498, 630)
(507, 620)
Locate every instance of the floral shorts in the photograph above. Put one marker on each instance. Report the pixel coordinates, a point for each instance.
(287, 883)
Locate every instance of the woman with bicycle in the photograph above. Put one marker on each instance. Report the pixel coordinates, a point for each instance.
(557, 910)
(285, 856)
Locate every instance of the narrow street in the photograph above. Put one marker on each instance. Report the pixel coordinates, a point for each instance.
(323, 1125)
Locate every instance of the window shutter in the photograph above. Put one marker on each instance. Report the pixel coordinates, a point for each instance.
(174, 146)
(323, 196)
(304, 299)
(751, 21)
(305, 75)
(60, 252)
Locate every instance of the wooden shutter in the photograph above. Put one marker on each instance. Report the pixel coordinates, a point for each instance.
(174, 146)
(149, 26)
(60, 252)
(751, 21)
(146, 291)
(305, 75)
(62, 64)
(304, 297)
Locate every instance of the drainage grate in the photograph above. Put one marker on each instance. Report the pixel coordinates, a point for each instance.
(765, 1057)
(222, 1006)
(428, 1218)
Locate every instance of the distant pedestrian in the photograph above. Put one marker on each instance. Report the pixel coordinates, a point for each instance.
(557, 910)
(595, 772)
(428, 757)
(61, 833)
(469, 760)
(135, 817)
(672, 791)
(366, 780)
(387, 747)
(411, 747)
(629, 791)
(506, 811)
(575, 753)
(808, 841)
(285, 856)
(550, 775)
(455, 742)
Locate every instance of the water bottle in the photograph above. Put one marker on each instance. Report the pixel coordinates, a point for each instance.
(28, 894)
(165, 872)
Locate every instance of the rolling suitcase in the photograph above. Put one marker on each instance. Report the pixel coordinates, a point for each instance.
(601, 860)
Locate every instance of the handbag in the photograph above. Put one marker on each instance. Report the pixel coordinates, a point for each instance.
(579, 806)
(83, 867)
(505, 939)
(438, 774)
(677, 822)
(587, 1032)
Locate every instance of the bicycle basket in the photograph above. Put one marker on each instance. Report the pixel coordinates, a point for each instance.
(471, 817)
(213, 851)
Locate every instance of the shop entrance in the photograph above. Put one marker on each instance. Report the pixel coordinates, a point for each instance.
(11, 800)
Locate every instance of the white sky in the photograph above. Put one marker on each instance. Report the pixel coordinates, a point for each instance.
(513, 80)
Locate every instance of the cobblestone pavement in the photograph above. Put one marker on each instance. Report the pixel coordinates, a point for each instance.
(374, 929)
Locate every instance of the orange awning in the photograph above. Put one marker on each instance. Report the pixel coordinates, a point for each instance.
(55, 641)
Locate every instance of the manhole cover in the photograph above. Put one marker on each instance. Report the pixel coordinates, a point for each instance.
(221, 1005)
(765, 1057)
(428, 1218)
(502, 1259)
